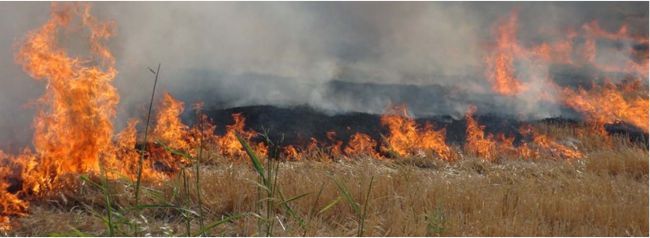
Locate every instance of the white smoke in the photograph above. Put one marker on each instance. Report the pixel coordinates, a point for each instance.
(236, 54)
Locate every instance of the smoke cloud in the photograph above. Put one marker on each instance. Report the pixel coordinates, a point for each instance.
(335, 56)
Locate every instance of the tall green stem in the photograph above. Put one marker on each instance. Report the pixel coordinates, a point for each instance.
(146, 131)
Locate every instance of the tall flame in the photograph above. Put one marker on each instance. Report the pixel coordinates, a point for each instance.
(500, 64)
(169, 127)
(476, 141)
(75, 129)
(599, 105)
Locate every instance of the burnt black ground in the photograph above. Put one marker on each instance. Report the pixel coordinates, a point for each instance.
(296, 125)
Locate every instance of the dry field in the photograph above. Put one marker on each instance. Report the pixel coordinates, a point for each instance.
(604, 194)
(80, 177)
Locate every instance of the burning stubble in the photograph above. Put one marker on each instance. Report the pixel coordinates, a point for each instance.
(74, 131)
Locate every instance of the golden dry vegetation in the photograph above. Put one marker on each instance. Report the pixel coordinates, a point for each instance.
(81, 177)
(603, 194)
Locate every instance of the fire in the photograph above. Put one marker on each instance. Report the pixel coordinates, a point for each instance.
(171, 133)
(557, 149)
(335, 145)
(559, 51)
(500, 63)
(75, 130)
(361, 144)
(291, 153)
(169, 129)
(599, 105)
(201, 135)
(74, 133)
(593, 32)
(124, 157)
(476, 141)
(593, 29)
(608, 104)
(174, 133)
(487, 147)
(543, 144)
(405, 138)
(230, 146)
(10, 204)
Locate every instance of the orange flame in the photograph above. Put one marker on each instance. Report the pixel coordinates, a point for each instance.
(202, 135)
(230, 146)
(361, 144)
(556, 148)
(169, 129)
(500, 68)
(76, 129)
(598, 105)
(291, 153)
(73, 132)
(593, 31)
(476, 141)
(335, 147)
(405, 138)
(607, 105)
(545, 145)
(486, 147)
(10, 204)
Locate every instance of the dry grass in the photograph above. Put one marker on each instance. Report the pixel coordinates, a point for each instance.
(605, 194)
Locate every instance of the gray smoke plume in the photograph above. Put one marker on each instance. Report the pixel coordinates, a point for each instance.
(334, 56)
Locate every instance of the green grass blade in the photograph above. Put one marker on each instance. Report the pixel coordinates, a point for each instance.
(174, 151)
(262, 186)
(330, 205)
(74, 232)
(344, 191)
(365, 206)
(256, 162)
(296, 197)
(311, 210)
(290, 210)
(85, 178)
